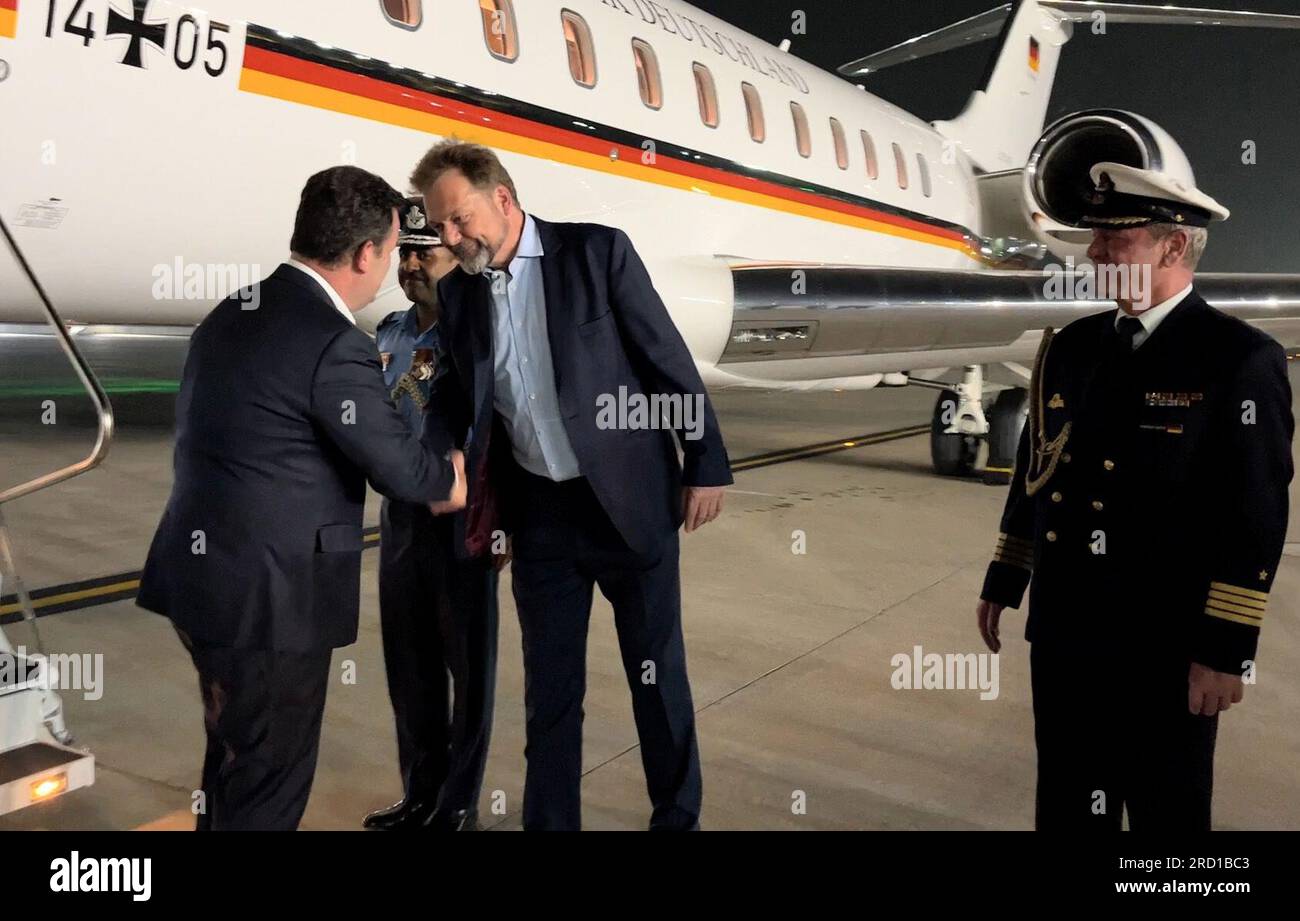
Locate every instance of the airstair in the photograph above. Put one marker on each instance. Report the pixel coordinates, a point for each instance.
(38, 761)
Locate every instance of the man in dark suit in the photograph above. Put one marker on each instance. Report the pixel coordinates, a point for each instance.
(1149, 506)
(282, 417)
(546, 325)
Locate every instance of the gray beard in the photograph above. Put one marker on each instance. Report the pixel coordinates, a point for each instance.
(476, 263)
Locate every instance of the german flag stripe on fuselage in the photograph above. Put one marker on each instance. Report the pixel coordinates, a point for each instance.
(298, 70)
(8, 18)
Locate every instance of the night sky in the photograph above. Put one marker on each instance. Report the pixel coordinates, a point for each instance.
(1211, 88)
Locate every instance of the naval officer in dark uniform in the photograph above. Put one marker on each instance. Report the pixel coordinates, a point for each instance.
(438, 615)
(1149, 507)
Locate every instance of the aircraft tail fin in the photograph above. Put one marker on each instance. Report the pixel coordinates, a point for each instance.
(1005, 116)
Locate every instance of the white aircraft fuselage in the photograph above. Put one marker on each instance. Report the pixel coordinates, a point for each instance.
(194, 159)
(154, 152)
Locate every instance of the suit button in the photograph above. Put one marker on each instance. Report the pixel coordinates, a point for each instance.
(1051, 536)
(1065, 458)
(1096, 504)
(1056, 497)
(1108, 464)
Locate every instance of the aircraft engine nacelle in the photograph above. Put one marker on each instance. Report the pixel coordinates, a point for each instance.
(1056, 178)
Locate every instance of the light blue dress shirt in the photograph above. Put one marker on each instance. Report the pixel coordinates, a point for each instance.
(524, 375)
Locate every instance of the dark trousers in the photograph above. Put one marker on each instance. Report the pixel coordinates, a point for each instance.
(262, 714)
(438, 617)
(1116, 733)
(564, 544)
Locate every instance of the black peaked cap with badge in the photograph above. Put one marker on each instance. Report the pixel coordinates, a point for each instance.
(415, 228)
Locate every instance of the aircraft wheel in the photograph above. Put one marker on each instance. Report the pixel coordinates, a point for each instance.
(951, 455)
(1007, 419)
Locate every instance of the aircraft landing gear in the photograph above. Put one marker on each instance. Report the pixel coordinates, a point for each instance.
(952, 452)
(959, 426)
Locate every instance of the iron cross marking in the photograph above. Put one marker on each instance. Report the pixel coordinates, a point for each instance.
(140, 31)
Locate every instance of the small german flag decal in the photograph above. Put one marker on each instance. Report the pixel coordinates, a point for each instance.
(8, 18)
(1033, 54)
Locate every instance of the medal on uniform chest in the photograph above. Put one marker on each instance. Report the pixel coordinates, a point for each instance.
(1172, 398)
(424, 364)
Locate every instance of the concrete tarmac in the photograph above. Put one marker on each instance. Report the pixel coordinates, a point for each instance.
(789, 653)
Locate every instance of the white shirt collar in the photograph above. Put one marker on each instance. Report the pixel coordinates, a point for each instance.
(329, 289)
(1150, 319)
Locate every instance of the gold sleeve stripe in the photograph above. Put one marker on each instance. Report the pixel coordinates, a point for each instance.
(1014, 551)
(1234, 609)
(1238, 600)
(1235, 618)
(1238, 590)
(1015, 544)
(1022, 562)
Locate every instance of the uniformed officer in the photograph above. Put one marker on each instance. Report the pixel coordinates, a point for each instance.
(438, 614)
(1149, 506)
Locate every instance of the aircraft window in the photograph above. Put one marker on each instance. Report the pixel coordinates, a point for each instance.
(869, 148)
(499, 28)
(582, 53)
(900, 164)
(404, 13)
(801, 135)
(647, 74)
(841, 148)
(923, 167)
(708, 93)
(754, 112)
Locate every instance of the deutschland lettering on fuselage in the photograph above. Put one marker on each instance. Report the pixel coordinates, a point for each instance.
(656, 14)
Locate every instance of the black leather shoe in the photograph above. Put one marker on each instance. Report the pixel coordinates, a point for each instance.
(406, 815)
(457, 820)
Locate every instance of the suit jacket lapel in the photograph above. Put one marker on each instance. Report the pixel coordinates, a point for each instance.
(1189, 305)
(480, 338)
(557, 313)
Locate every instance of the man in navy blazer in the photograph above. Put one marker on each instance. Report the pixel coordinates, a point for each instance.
(282, 417)
(557, 336)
